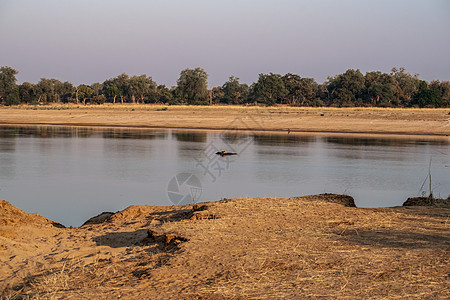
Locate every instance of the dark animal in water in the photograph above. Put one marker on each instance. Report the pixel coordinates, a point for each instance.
(225, 153)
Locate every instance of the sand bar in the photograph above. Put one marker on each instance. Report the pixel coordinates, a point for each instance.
(432, 122)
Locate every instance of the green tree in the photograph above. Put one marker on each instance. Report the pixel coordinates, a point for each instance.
(84, 92)
(141, 87)
(234, 92)
(177, 97)
(45, 90)
(406, 85)
(380, 89)
(66, 91)
(269, 89)
(13, 97)
(323, 93)
(443, 89)
(27, 92)
(53, 90)
(164, 94)
(123, 84)
(346, 89)
(97, 87)
(192, 85)
(292, 83)
(217, 95)
(110, 90)
(426, 97)
(7, 82)
(98, 99)
(300, 91)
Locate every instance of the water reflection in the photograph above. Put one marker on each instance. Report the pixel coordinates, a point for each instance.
(192, 136)
(7, 157)
(189, 150)
(283, 139)
(7, 145)
(234, 137)
(45, 132)
(142, 134)
(380, 149)
(382, 142)
(80, 132)
(189, 143)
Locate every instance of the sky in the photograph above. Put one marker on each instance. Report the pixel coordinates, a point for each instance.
(87, 41)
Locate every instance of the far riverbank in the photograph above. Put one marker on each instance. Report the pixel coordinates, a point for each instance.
(433, 122)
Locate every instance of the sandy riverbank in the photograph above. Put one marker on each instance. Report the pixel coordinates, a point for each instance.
(336, 120)
(232, 249)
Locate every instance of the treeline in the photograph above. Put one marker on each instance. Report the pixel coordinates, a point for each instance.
(352, 88)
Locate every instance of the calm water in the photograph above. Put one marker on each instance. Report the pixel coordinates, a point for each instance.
(69, 174)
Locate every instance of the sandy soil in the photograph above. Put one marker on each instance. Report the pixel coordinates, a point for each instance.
(258, 248)
(342, 120)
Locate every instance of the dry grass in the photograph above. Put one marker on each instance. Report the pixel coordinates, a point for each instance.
(254, 248)
(217, 106)
(224, 108)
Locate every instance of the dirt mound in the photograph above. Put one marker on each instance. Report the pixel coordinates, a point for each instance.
(161, 214)
(135, 211)
(13, 216)
(427, 201)
(98, 219)
(345, 200)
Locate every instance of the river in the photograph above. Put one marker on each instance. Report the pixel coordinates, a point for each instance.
(69, 174)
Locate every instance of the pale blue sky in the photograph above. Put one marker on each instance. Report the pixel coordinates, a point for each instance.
(86, 41)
